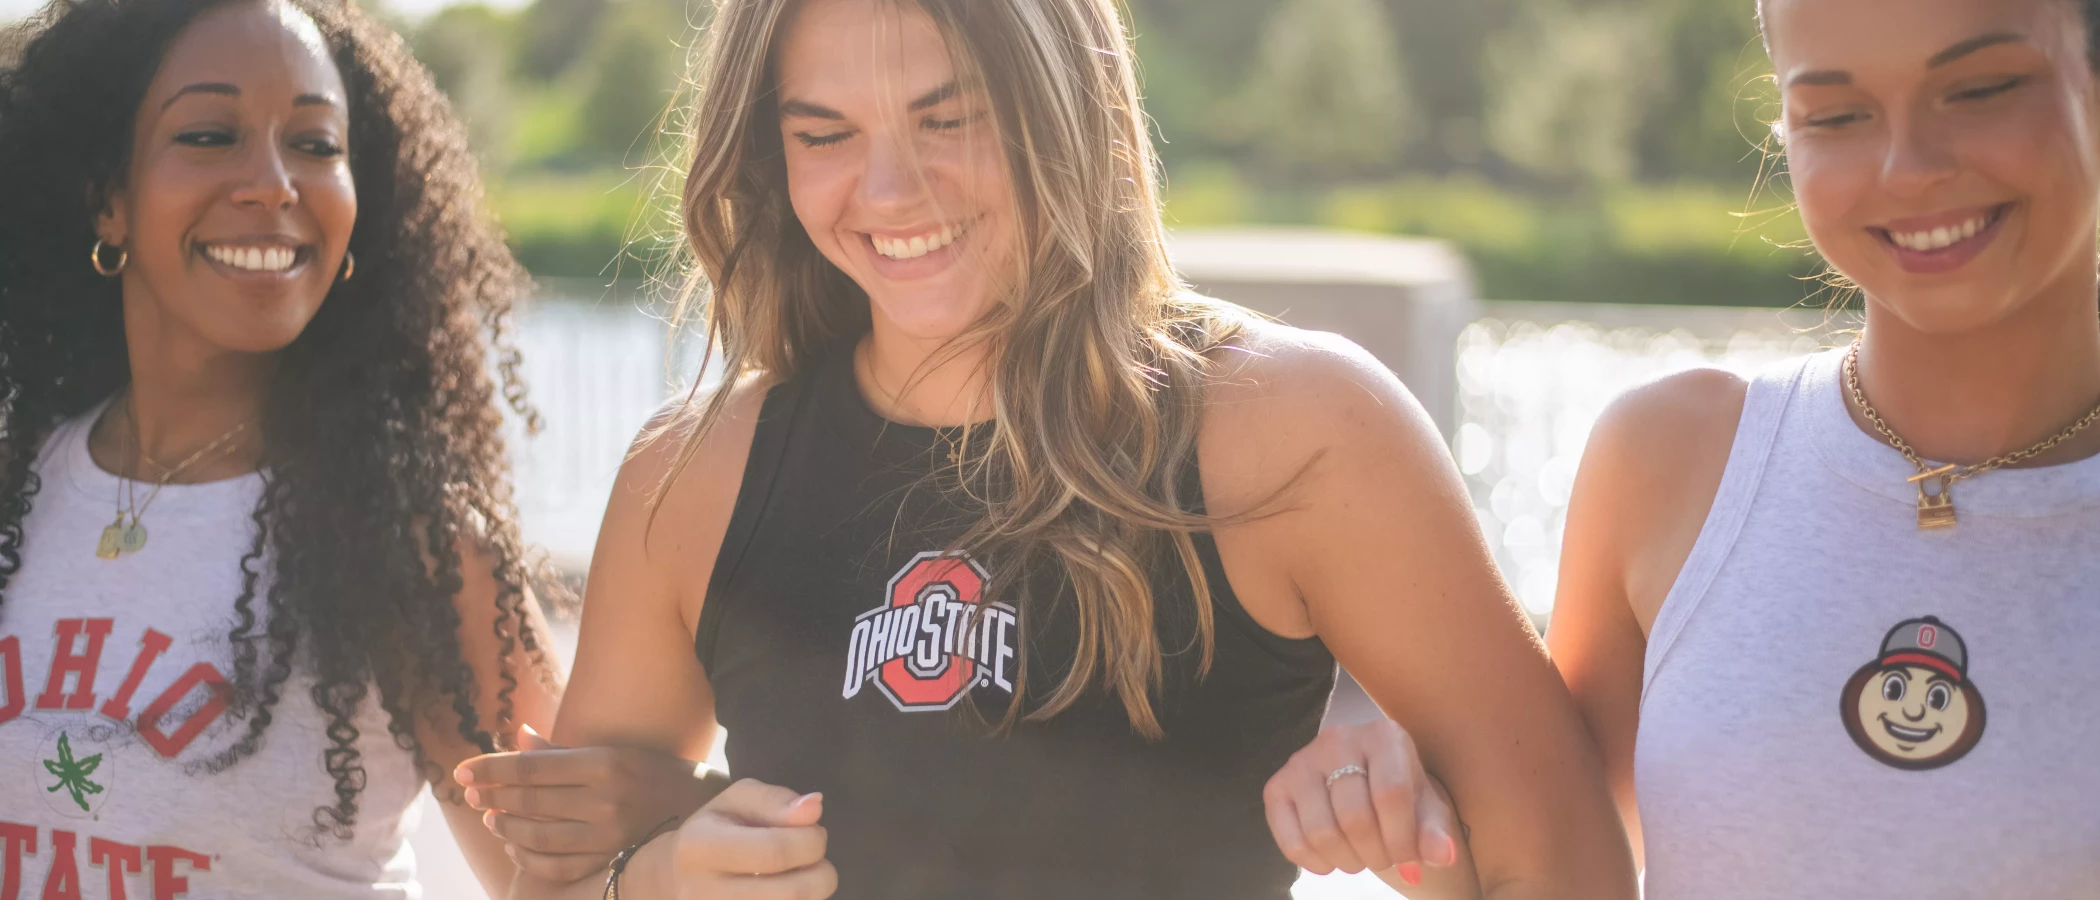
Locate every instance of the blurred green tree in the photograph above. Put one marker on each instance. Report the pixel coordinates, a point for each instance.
(552, 34)
(1327, 97)
(1568, 86)
(1710, 123)
(467, 49)
(631, 72)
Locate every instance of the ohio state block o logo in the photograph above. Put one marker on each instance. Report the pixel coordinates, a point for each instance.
(933, 638)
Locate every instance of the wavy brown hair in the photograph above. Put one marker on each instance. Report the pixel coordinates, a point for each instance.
(382, 443)
(1098, 356)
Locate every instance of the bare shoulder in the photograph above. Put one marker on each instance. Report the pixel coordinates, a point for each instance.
(1649, 476)
(1671, 432)
(1282, 398)
(671, 504)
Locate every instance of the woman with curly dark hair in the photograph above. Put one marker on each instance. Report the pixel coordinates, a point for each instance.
(260, 574)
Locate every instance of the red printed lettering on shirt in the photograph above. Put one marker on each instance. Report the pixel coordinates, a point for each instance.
(11, 669)
(15, 840)
(167, 883)
(63, 881)
(151, 646)
(168, 745)
(82, 665)
(118, 858)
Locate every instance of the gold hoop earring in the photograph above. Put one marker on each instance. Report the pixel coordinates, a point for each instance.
(95, 259)
(349, 266)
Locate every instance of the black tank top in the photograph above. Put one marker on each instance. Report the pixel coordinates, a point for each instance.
(850, 654)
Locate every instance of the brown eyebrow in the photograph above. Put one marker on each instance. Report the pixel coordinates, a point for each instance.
(790, 109)
(223, 89)
(206, 87)
(1836, 78)
(807, 110)
(1971, 46)
(935, 97)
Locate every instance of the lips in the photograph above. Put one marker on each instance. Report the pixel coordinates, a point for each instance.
(1908, 735)
(1945, 242)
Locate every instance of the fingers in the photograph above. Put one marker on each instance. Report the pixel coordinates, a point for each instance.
(1283, 825)
(726, 847)
(1438, 826)
(1393, 786)
(544, 836)
(1308, 787)
(581, 804)
(582, 766)
(1350, 798)
(756, 803)
(561, 868)
(814, 882)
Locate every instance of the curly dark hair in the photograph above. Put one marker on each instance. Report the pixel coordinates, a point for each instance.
(382, 442)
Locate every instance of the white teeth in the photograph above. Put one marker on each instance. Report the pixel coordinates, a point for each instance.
(917, 246)
(254, 259)
(1939, 238)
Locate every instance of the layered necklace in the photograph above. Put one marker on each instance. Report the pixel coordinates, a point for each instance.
(127, 534)
(1936, 509)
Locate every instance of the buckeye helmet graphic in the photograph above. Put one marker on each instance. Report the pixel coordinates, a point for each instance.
(1913, 706)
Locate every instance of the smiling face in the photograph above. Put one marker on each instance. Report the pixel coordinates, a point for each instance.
(237, 205)
(1912, 717)
(1945, 159)
(894, 166)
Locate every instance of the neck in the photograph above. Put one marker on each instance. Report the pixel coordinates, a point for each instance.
(932, 383)
(1965, 398)
(184, 396)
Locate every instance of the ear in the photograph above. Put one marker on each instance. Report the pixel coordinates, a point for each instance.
(112, 224)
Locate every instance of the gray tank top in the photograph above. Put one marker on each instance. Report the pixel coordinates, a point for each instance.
(1838, 704)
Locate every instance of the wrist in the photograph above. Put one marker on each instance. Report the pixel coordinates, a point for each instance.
(648, 874)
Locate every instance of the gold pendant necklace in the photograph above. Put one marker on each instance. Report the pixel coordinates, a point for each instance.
(122, 538)
(1936, 509)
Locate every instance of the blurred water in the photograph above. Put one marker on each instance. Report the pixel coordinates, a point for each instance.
(1532, 380)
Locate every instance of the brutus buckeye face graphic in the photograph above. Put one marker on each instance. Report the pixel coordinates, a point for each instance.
(1914, 707)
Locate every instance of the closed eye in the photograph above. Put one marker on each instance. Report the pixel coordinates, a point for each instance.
(1837, 121)
(1990, 90)
(821, 140)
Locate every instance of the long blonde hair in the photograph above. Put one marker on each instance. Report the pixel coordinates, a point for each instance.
(1098, 354)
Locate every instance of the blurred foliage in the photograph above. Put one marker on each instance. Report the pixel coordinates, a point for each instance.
(1575, 149)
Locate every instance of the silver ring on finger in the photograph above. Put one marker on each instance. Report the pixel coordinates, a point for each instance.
(1344, 772)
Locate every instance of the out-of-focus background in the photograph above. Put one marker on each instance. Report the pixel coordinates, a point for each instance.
(1522, 206)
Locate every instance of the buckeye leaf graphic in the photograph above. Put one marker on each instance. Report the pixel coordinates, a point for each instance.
(73, 774)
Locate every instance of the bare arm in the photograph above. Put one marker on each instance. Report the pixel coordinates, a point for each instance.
(533, 701)
(1648, 479)
(1376, 550)
(637, 681)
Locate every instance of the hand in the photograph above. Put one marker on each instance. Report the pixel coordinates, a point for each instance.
(1391, 816)
(755, 841)
(565, 813)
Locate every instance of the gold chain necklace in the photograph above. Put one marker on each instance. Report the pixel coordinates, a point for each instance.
(954, 446)
(1937, 510)
(121, 538)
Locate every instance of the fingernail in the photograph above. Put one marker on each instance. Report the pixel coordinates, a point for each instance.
(474, 798)
(1444, 850)
(463, 776)
(488, 820)
(1411, 872)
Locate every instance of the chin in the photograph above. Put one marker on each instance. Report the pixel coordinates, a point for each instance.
(932, 320)
(1950, 309)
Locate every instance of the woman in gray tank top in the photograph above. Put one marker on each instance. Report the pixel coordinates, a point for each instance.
(1832, 627)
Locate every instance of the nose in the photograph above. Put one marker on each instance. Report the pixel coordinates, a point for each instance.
(266, 183)
(1920, 717)
(894, 180)
(1918, 157)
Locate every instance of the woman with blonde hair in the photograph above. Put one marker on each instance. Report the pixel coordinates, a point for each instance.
(939, 553)
(1832, 625)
